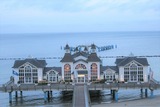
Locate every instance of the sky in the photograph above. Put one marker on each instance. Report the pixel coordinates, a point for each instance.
(60, 16)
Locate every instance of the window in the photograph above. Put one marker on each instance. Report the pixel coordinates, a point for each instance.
(35, 75)
(67, 72)
(21, 75)
(93, 72)
(133, 72)
(110, 75)
(140, 73)
(52, 76)
(28, 74)
(126, 73)
(80, 66)
(28, 71)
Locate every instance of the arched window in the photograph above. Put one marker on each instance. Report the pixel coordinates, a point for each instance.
(67, 72)
(93, 71)
(80, 66)
(28, 74)
(133, 72)
(52, 76)
(110, 75)
(140, 73)
(126, 73)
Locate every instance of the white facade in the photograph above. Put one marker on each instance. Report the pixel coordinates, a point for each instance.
(28, 73)
(86, 67)
(81, 66)
(121, 73)
(136, 73)
(110, 75)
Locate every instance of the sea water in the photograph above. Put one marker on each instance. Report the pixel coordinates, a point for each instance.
(51, 45)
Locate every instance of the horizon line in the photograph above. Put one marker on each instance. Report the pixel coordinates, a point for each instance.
(77, 32)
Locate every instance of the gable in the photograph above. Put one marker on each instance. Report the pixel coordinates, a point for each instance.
(124, 61)
(80, 57)
(133, 62)
(67, 58)
(105, 69)
(109, 71)
(51, 71)
(56, 69)
(80, 61)
(35, 62)
(27, 64)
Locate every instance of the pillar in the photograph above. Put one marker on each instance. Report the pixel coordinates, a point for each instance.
(151, 96)
(51, 94)
(141, 91)
(21, 94)
(48, 95)
(116, 95)
(16, 94)
(111, 92)
(10, 97)
(146, 93)
(45, 96)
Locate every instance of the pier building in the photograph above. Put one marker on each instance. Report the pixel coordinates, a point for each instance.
(81, 66)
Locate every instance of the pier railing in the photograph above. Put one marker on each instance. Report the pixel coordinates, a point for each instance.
(67, 87)
(117, 86)
(30, 87)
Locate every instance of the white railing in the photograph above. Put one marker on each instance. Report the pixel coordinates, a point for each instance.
(8, 83)
(155, 81)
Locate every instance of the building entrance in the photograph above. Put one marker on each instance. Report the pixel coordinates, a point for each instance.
(82, 78)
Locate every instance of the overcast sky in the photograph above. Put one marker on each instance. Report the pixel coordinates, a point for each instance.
(46, 16)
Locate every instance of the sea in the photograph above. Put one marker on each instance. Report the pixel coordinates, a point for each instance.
(42, 45)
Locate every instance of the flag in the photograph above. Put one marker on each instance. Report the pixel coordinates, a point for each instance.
(15, 73)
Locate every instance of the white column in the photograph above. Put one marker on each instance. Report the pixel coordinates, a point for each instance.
(98, 70)
(63, 71)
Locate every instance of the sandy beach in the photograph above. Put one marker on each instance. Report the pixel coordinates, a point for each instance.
(148, 102)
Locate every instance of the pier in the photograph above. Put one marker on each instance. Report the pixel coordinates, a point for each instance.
(80, 91)
(81, 96)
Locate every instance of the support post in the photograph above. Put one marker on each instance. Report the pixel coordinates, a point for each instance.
(111, 92)
(16, 94)
(48, 95)
(146, 93)
(51, 94)
(10, 97)
(21, 94)
(116, 95)
(141, 90)
(151, 96)
(45, 96)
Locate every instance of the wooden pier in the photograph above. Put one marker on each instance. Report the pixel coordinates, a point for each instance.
(80, 91)
(81, 96)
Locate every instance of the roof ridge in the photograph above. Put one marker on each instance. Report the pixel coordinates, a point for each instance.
(123, 60)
